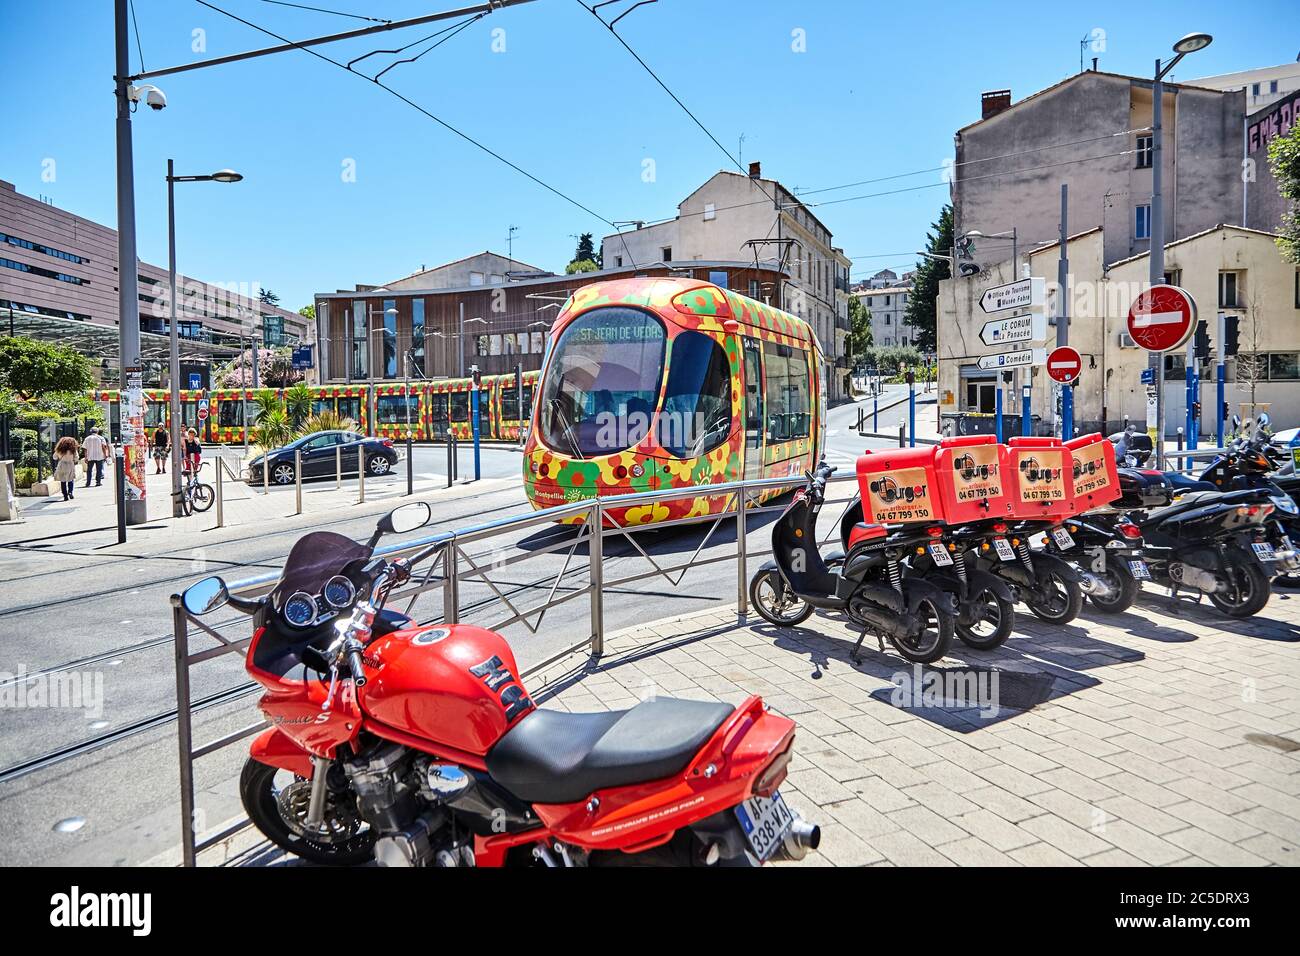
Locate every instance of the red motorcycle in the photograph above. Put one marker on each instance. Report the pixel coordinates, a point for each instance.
(417, 745)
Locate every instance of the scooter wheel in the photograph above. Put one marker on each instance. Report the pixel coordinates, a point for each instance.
(1126, 589)
(774, 601)
(997, 617)
(1064, 600)
(1251, 590)
(934, 640)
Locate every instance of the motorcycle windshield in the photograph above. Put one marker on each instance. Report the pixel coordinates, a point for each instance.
(314, 559)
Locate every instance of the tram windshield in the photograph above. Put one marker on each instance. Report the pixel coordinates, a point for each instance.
(603, 381)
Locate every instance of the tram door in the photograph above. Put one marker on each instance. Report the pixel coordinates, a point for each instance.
(753, 409)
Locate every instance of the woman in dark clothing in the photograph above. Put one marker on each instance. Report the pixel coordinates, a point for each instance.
(161, 449)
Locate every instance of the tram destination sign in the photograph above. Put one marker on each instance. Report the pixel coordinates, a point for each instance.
(1018, 328)
(1028, 293)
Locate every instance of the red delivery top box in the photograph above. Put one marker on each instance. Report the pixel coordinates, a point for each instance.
(1043, 483)
(1096, 482)
(974, 478)
(898, 486)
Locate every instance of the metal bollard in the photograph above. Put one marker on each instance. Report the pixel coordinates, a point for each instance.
(361, 476)
(742, 555)
(450, 455)
(410, 466)
(221, 510)
(902, 435)
(266, 475)
(595, 548)
(297, 476)
(450, 584)
(119, 476)
(338, 467)
(1180, 442)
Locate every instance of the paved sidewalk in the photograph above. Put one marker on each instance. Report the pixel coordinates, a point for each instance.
(1167, 735)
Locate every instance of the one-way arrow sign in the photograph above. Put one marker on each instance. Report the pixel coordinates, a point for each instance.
(1021, 294)
(1018, 328)
(1021, 359)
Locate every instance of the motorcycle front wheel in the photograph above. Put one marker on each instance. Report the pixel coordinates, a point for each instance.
(774, 600)
(1056, 600)
(934, 638)
(276, 815)
(985, 621)
(1250, 590)
(1124, 587)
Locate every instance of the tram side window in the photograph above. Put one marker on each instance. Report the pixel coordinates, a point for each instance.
(696, 414)
(319, 405)
(510, 404)
(787, 394)
(350, 407)
(392, 409)
(230, 413)
(460, 406)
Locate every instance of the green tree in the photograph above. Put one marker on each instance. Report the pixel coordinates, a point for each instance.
(308, 312)
(861, 337)
(586, 257)
(31, 369)
(267, 296)
(580, 265)
(1284, 160)
(920, 313)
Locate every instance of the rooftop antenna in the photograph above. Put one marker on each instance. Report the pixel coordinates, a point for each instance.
(740, 151)
(510, 243)
(1083, 46)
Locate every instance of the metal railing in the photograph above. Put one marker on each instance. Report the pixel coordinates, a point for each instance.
(457, 563)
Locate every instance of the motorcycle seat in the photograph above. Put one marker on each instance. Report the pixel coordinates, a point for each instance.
(1184, 503)
(862, 531)
(555, 757)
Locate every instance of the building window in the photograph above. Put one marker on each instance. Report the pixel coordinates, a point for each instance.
(1254, 89)
(618, 261)
(719, 278)
(1144, 152)
(389, 344)
(358, 338)
(1228, 290)
(710, 211)
(756, 291)
(666, 253)
(46, 273)
(476, 278)
(1142, 222)
(497, 279)
(46, 250)
(1284, 367)
(481, 345)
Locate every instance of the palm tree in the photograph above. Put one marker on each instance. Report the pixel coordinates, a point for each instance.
(297, 402)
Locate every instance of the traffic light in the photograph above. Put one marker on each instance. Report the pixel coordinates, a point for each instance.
(476, 375)
(1196, 411)
(1231, 334)
(1202, 341)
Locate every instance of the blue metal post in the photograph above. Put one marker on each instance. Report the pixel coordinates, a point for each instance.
(1189, 428)
(1218, 405)
(1067, 412)
(998, 407)
(1193, 422)
(875, 414)
(911, 412)
(1026, 422)
(474, 416)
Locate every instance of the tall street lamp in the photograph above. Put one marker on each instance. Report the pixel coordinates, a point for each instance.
(1188, 44)
(220, 176)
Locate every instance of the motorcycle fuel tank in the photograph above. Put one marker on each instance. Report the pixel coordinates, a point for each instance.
(456, 685)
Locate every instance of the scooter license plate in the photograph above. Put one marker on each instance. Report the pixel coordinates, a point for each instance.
(939, 554)
(1003, 547)
(1062, 538)
(1264, 551)
(1140, 570)
(765, 820)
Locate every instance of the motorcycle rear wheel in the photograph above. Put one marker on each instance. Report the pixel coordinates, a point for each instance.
(1126, 589)
(995, 611)
(259, 792)
(774, 601)
(934, 640)
(1252, 590)
(1064, 603)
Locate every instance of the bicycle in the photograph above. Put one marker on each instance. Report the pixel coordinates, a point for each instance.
(195, 495)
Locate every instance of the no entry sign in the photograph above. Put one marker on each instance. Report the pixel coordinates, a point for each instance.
(1064, 365)
(1162, 318)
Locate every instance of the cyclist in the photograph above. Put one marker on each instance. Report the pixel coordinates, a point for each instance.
(193, 450)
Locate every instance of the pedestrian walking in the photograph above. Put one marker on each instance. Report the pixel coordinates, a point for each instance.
(97, 450)
(193, 450)
(162, 446)
(65, 465)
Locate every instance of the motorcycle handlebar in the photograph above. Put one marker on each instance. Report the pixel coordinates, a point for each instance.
(356, 667)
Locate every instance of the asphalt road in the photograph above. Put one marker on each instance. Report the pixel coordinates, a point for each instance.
(80, 606)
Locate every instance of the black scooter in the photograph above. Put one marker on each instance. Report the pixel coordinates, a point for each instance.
(871, 586)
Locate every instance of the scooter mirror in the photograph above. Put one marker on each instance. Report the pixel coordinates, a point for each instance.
(1236, 422)
(1263, 420)
(407, 518)
(207, 595)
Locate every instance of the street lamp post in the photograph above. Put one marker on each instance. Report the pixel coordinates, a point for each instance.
(1188, 44)
(221, 176)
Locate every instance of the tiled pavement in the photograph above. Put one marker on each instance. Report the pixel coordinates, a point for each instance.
(1168, 735)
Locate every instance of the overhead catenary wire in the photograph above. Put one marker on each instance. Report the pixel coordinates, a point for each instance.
(337, 13)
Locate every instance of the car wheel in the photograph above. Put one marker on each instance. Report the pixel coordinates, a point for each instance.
(378, 465)
(282, 473)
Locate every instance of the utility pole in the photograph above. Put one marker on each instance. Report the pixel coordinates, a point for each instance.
(131, 394)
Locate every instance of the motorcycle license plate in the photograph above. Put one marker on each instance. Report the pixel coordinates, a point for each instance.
(765, 820)
(1140, 570)
(940, 555)
(1264, 551)
(1003, 547)
(1062, 539)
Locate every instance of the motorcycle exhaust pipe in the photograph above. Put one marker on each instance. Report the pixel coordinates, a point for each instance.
(803, 836)
(1092, 585)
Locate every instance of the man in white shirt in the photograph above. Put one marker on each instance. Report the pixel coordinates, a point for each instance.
(97, 451)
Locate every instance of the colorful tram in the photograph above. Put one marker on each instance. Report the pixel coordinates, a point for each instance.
(656, 383)
(433, 408)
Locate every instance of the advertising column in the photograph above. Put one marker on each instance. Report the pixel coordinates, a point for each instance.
(135, 444)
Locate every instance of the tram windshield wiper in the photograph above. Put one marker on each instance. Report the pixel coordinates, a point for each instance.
(567, 428)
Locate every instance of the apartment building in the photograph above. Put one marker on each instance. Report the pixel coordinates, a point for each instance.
(732, 212)
(59, 281)
(1263, 87)
(888, 308)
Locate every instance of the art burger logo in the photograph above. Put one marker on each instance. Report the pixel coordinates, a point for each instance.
(978, 474)
(890, 491)
(102, 910)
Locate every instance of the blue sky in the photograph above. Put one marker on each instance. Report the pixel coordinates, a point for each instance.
(879, 90)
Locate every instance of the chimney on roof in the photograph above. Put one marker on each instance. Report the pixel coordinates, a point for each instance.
(994, 102)
(755, 171)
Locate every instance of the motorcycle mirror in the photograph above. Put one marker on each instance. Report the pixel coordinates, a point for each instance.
(1236, 422)
(407, 518)
(207, 595)
(1263, 420)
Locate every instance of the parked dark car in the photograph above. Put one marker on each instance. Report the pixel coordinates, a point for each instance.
(321, 456)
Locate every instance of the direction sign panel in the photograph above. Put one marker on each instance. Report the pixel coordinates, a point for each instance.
(1017, 328)
(1064, 365)
(1162, 318)
(1021, 294)
(1022, 359)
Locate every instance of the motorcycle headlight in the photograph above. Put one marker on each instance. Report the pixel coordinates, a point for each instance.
(1284, 503)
